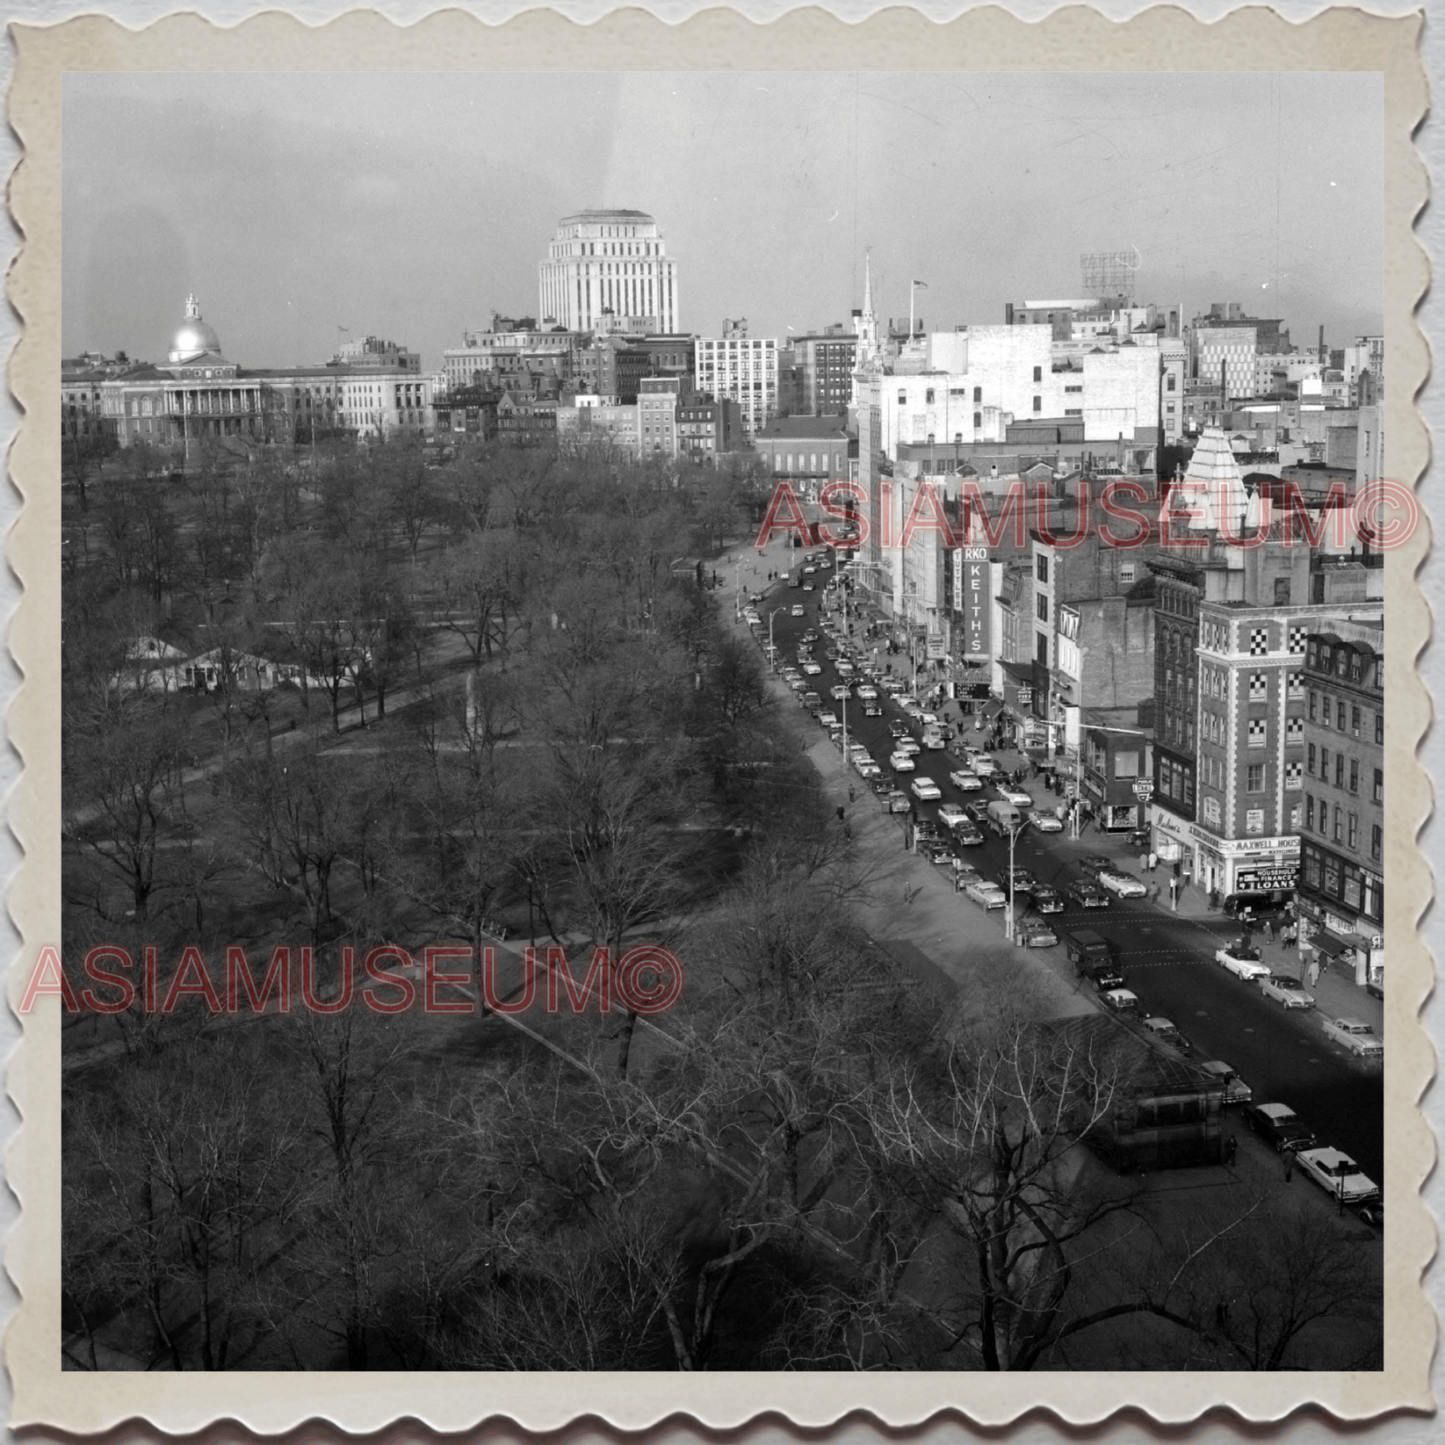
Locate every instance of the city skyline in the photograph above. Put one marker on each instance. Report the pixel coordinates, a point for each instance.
(413, 207)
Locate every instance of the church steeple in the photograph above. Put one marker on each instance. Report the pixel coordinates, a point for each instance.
(867, 355)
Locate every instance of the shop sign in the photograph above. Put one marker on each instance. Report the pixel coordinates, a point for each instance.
(1337, 924)
(1266, 878)
(1143, 789)
(937, 651)
(1026, 696)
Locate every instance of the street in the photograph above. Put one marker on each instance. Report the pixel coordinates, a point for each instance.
(1167, 958)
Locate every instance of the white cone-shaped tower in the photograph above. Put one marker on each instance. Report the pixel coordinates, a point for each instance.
(1212, 490)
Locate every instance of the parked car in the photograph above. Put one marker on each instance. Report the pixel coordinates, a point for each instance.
(1088, 894)
(1033, 933)
(1105, 977)
(1259, 904)
(1093, 863)
(925, 789)
(938, 853)
(1279, 1126)
(988, 895)
(811, 699)
(902, 763)
(1337, 1174)
(964, 874)
(880, 786)
(867, 768)
(1048, 822)
(829, 719)
(1236, 1091)
(927, 831)
(1359, 1038)
(965, 781)
(1017, 797)
(1242, 962)
(951, 815)
(1126, 885)
(1023, 880)
(897, 802)
(1286, 990)
(1047, 899)
(1121, 1000)
(1163, 1030)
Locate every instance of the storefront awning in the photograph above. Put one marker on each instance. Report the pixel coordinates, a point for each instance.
(1330, 943)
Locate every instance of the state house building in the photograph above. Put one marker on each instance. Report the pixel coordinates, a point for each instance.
(369, 388)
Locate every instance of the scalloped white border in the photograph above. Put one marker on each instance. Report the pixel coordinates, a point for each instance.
(890, 39)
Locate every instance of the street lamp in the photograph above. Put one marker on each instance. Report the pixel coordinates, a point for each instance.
(772, 653)
(1010, 928)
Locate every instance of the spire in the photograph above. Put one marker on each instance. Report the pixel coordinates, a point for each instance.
(868, 282)
(193, 307)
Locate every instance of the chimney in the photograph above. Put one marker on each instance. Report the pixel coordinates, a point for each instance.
(1324, 355)
(1008, 313)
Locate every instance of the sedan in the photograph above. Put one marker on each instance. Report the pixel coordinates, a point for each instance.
(897, 802)
(1088, 895)
(840, 691)
(1286, 990)
(829, 719)
(1023, 880)
(1126, 885)
(1358, 1038)
(1163, 1030)
(897, 729)
(812, 668)
(1017, 797)
(872, 708)
(986, 895)
(807, 587)
(1121, 1000)
(1236, 1091)
(927, 831)
(798, 684)
(902, 763)
(880, 786)
(1048, 823)
(968, 834)
(1105, 977)
(951, 815)
(938, 853)
(907, 745)
(1337, 1174)
(1047, 899)
(926, 790)
(867, 768)
(1242, 962)
(1095, 862)
(965, 781)
(1034, 934)
(867, 691)
(798, 610)
(1279, 1125)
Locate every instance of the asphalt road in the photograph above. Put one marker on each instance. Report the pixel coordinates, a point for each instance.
(1167, 959)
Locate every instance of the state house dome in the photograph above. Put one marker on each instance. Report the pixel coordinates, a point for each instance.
(194, 337)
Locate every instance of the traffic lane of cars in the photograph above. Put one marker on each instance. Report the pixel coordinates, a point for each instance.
(1283, 1054)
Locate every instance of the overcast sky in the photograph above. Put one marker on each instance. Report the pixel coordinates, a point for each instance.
(412, 206)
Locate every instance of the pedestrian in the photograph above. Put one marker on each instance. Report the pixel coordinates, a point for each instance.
(851, 793)
(1314, 972)
(1231, 1148)
(1288, 1165)
(1153, 861)
(1268, 931)
(1143, 862)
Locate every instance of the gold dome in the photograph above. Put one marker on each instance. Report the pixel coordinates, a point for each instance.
(194, 336)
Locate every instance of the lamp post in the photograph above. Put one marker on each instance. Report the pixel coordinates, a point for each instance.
(738, 588)
(1010, 931)
(771, 652)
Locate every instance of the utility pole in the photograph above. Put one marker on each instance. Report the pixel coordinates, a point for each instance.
(1010, 930)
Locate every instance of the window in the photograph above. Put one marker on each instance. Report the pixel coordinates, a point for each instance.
(1377, 793)
(1041, 649)
(1293, 776)
(1339, 823)
(1042, 569)
(1254, 778)
(1379, 727)
(1310, 760)
(1354, 775)
(1355, 721)
(1041, 605)
(1353, 835)
(1038, 403)
(1339, 770)
(1258, 687)
(1258, 732)
(1281, 591)
(1312, 705)
(1340, 714)
(977, 420)
(1309, 813)
(977, 395)
(1377, 840)
(928, 396)
(1325, 764)
(902, 398)
(1126, 573)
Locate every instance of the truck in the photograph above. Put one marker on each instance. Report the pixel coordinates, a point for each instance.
(1088, 950)
(1003, 817)
(794, 577)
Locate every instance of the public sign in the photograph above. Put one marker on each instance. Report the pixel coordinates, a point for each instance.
(1143, 790)
(1249, 878)
(1026, 696)
(972, 599)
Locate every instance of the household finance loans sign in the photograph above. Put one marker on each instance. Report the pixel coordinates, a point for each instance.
(971, 600)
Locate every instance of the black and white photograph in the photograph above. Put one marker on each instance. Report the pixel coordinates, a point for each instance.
(723, 721)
